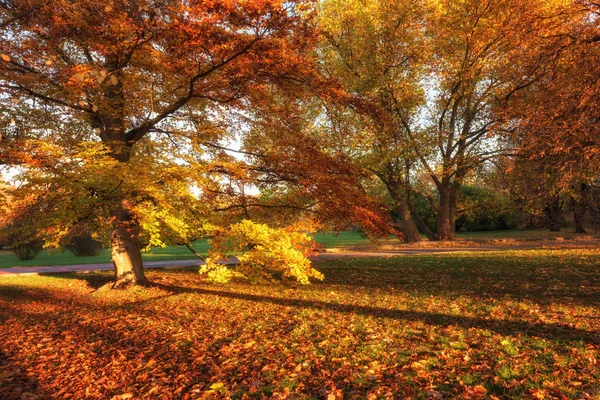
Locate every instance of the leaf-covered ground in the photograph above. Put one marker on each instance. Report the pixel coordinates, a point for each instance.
(467, 325)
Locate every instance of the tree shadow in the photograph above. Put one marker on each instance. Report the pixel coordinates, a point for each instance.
(536, 283)
(15, 383)
(501, 326)
(134, 343)
(121, 345)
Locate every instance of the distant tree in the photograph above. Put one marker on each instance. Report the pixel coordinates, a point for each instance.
(427, 79)
(556, 120)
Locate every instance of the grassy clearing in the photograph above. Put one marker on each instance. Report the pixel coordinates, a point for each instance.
(506, 325)
(49, 258)
(531, 234)
(327, 240)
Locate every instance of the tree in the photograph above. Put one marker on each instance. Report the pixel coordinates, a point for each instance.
(430, 77)
(373, 49)
(116, 99)
(555, 121)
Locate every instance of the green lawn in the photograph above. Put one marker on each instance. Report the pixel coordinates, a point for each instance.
(328, 240)
(46, 258)
(522, 235)
(67, 258)
(495, 325)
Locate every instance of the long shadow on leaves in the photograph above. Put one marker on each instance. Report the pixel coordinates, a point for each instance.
(114, 346)
(541, 280)
(501, 326)
(13, 382)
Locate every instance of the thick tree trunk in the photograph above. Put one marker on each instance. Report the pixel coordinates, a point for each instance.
(452, 210)
(579, 207)
(125, 249)
(408, 224)
(445, 220)
(554, 214)
(595, 213)
(579, 213)
(422, 225)
(396, 192)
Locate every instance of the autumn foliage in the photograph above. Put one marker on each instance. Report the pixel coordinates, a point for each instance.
(116, 111)
(264, 254)
(152, 123)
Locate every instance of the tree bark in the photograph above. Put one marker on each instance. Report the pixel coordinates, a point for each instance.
(410, 230)
(554, 214)
(579, 212)
(408, 224)
(579, 207)
(422, 225)
(125, 249)
(446, 215)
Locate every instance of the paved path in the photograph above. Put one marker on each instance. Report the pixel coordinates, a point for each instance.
(16, 271)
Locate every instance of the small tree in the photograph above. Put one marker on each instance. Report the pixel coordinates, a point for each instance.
(267, 254)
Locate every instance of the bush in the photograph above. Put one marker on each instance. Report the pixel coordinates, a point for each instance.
(84, 245)
(485, 210)
(22, 239)
(29, 250)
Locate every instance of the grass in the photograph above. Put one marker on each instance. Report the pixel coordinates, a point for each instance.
(532, 234)
(49, 258)
(327, 240)
(506, 325)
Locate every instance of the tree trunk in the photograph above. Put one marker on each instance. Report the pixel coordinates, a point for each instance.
(554, 214)
(421, 224)
(397, 194)
(579, 213)
(444, 222)
(125, 249)
(595, 212)
(452, 208)
(408, 224)
(579, 207)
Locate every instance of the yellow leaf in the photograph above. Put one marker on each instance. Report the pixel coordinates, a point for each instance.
(480, 389)
(416, 365)
(218, 387)
(5, 57)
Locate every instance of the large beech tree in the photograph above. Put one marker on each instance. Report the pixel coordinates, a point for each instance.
(109, 99)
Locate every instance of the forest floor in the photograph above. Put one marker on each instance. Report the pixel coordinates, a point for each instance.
(495, 324)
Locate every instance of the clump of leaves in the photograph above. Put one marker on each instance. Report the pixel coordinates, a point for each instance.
(267, 254)
(23, 239)
(83, 244)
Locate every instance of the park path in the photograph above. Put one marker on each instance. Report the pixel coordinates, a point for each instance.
(328, 255)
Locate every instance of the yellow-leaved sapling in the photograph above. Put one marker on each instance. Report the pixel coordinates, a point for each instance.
(265, 254)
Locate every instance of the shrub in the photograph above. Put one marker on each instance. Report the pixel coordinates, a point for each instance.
(29, 250)
(84, 245)
(22, 238)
